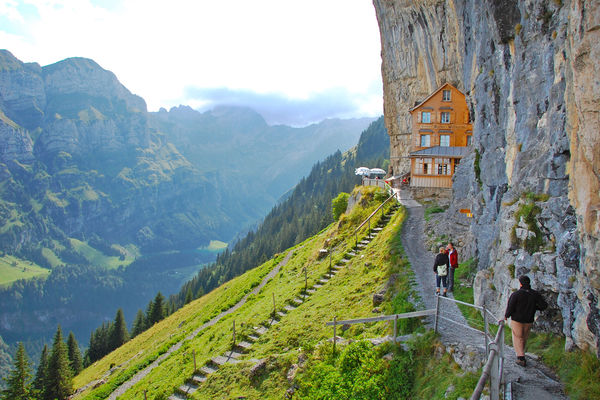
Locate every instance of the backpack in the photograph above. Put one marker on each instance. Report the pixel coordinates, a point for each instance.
(442, 270)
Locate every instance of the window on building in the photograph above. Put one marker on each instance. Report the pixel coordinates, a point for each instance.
(446, 95)
(469, 137)
(425, 140)
(426, 117)
(445, 140)
(442, 166)
(445, 117)
(423, 166)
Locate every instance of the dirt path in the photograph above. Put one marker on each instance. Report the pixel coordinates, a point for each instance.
(535, 382)
(143, 373)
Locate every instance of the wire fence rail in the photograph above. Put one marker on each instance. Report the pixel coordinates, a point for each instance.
(493, 370)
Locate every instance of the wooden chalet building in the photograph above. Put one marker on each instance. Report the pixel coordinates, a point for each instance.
(441, 134)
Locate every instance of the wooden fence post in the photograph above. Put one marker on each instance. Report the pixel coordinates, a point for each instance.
(395, 327)
(233, 334)
(305, 281)
(194, 355)
(334, 337)
(494, 375)
(485, 330)
(145, 395)
(274, 309)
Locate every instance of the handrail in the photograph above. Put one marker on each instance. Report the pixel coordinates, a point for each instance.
(373, 213)
(334, 248)
(493, 367)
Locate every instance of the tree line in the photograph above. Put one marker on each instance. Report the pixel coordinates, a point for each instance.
(54, 376)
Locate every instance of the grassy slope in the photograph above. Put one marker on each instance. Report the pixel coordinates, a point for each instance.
(348, 295)
(13, 269)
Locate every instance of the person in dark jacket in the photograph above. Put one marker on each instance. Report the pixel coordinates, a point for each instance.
(521, 309)
(440, 268)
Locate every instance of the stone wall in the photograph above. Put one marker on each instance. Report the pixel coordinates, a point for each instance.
(530, 72)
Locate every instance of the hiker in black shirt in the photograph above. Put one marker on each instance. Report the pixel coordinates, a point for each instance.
(440, 268)
(521, 308)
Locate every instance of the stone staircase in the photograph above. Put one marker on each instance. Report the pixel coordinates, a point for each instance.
(244, 347)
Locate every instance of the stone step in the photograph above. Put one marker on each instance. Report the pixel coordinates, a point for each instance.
(232, 355)
(311, 291)
(351, 254)
(199, 378)
(298, 300)
(344, 260)
(317, 286)
(365, 242)
(337, 267)
(281, 314)
(260, 330)
(289, 307)
(177, 396)
(220, 360)
(272, 322)
(323, 281)
(253, 338)
(377, 229)
(187, 388)
(244, 345)
(206, 370)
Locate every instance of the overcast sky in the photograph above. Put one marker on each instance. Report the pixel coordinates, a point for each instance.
(295, 61)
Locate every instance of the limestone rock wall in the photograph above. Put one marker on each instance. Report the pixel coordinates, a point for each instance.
(530, 72)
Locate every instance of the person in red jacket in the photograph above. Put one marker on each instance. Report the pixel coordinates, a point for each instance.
(453, 258)
(521, 308)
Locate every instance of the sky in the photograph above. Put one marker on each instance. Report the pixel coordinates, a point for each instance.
(294, 61)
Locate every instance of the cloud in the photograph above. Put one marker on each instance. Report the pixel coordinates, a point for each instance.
(277, 108)
(301, 49)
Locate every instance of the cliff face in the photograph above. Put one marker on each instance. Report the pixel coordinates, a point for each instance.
(530, 73)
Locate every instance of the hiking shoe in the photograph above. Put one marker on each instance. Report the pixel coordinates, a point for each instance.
(521, 361)
(445, 294)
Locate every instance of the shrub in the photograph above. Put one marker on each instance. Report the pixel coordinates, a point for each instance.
(339, 204)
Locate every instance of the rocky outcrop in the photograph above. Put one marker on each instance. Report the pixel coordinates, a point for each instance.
(529, 70)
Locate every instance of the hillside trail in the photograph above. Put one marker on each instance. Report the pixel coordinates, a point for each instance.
(534, 382)
(143, 373)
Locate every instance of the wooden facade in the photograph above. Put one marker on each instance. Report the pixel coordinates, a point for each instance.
(440, 136)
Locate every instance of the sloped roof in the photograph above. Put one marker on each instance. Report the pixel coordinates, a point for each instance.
(433, 94)
(441, 151)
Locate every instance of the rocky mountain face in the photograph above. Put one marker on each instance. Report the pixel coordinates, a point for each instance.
(530, 71)
(78, 156)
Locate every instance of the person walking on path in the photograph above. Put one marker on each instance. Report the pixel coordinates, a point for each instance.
(453, 258)
(521, 309)
(440, 268)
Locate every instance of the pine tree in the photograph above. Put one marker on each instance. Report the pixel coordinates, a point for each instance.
(19, 381)
(39, 383)
(139, 324)
(119, 334)
(74, 354)
(59, 382)
(189, 296)
(157, 312)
